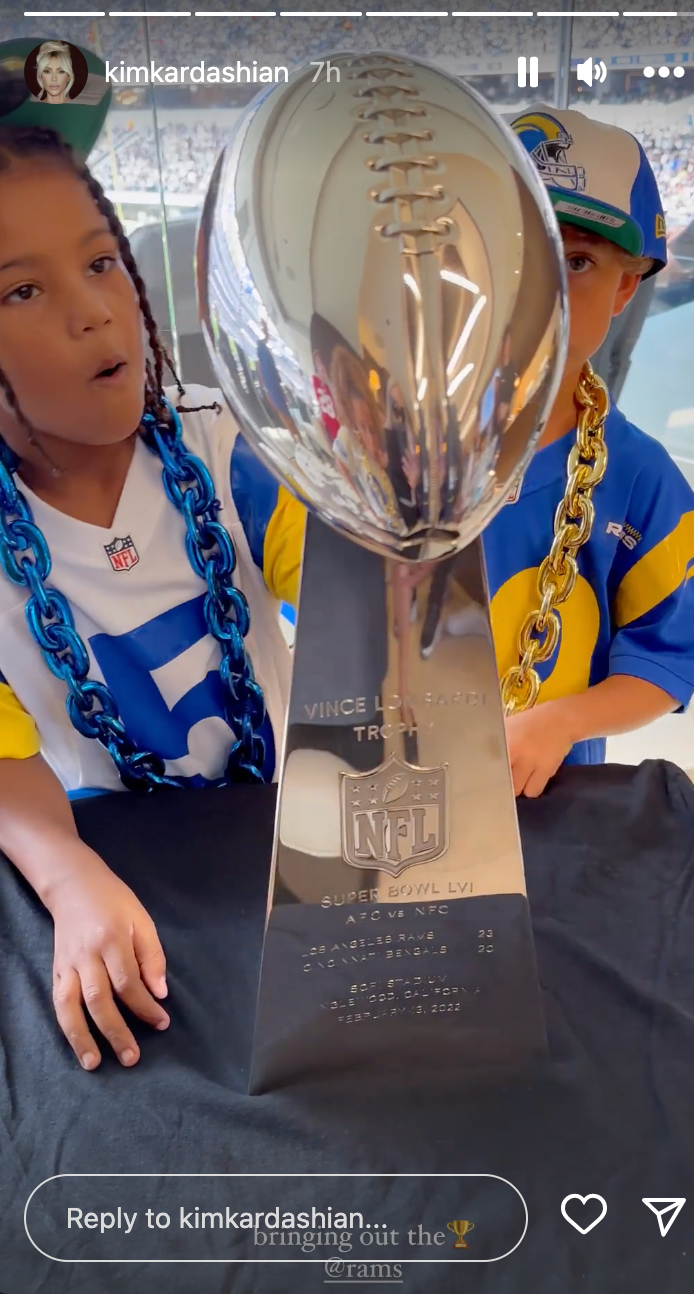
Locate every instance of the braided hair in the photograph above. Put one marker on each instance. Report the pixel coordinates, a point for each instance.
(23, 142)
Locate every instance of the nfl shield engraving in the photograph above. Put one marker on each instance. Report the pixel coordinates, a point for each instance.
(368, 284)
(395, 816)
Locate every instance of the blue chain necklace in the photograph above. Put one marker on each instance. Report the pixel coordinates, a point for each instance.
(26, 560)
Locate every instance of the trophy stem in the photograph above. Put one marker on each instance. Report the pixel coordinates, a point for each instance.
(398, 923)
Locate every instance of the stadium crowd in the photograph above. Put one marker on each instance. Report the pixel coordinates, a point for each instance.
(189, 151)
(292, 41)
(671, 154)
(127, 161)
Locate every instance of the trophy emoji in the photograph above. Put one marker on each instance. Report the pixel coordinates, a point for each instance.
(381, 289)
(461, 1229)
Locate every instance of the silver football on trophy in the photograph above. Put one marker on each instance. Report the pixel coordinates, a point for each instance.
(381, 287)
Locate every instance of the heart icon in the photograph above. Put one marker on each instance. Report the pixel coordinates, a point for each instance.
(583, 1199)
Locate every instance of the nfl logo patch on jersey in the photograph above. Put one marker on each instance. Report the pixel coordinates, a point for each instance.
(515, 492)
(122, 554)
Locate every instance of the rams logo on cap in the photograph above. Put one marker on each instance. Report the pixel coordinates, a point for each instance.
(660, 230)
(547, 142)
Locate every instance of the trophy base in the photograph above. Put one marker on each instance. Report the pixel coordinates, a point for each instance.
(398, 929)
(405, 984)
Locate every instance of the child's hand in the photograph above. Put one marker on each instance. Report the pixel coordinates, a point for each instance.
(104, 941)
(538, 742)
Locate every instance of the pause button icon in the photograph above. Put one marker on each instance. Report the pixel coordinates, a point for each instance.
(523, 72)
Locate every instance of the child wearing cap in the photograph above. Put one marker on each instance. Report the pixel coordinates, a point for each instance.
(624, 650)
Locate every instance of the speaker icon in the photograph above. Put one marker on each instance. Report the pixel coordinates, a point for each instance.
(592, 68)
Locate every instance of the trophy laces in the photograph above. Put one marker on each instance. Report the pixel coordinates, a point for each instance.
(91, 706)
(398, 124)
(573, 523)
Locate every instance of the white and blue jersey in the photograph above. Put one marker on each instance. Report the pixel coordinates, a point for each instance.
(632, 609)
(139, 608)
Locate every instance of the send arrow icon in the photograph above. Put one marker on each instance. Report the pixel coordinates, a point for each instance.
(663, 1205)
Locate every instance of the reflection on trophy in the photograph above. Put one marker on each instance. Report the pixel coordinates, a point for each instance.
(461, 1229)
(371, 300)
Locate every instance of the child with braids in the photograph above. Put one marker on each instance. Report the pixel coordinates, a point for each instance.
(139, 640)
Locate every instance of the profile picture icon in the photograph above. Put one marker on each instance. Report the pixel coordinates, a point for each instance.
(55, 72)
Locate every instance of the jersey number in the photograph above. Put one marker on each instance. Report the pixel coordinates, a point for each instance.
(128, 662)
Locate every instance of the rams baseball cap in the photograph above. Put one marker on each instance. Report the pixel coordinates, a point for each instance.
(598, 177)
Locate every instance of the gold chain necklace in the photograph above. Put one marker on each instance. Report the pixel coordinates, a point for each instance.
(573, 523)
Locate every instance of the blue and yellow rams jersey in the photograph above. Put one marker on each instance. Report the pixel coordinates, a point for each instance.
(273, 520)
(632, 609)
(143, 621)
(19, 738)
